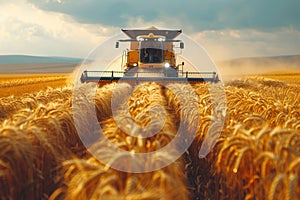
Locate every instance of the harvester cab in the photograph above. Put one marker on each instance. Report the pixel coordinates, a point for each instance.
(151, 57)
(152, 52)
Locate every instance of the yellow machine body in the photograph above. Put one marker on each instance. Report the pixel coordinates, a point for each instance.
(133, 59)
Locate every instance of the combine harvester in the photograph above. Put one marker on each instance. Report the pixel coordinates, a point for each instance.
(151, 57)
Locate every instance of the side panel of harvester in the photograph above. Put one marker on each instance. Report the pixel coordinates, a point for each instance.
(132, 58)
(170, 57)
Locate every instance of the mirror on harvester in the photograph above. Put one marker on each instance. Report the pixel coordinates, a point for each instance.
(181, 45)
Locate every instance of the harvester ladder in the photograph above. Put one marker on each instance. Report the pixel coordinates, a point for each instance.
(124, 57)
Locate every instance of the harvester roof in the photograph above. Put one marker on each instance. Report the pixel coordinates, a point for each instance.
(169, 34)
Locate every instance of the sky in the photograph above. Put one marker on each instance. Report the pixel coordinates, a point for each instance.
(227, 29)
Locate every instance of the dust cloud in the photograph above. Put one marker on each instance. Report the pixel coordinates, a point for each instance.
(254, 66)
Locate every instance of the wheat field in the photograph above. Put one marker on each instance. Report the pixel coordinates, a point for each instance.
(256, 156)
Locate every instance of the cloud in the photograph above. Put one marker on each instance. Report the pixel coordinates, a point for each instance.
(234, 43)
(26, 29)
(55, 1)
(200, 15)
(74, 28)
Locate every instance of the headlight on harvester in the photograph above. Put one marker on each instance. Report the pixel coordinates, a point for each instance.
(134, 64)
(167, 65)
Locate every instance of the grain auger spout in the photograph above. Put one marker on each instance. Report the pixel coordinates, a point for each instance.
(151, 57)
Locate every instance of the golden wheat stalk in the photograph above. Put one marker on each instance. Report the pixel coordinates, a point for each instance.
(277, 181)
